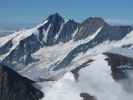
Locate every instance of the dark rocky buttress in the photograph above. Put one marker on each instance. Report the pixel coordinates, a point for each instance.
(15, 87)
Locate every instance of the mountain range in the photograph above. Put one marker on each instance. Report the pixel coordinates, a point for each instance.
(92, 58)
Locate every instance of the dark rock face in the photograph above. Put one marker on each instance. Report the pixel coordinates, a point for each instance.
(119, 65)
(86, 96)
(22, 53)
(15, 87)
(67, 31)
(75, 72)
(127, 46)
(89, 27)
(5, 48)
(112, 33)
(52, 27)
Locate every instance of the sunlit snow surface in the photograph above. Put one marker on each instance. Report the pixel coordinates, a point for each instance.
(94, 79)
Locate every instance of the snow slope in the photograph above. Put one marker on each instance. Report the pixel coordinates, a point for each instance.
(95, 80)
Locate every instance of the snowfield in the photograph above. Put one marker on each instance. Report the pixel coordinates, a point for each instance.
(95, 80)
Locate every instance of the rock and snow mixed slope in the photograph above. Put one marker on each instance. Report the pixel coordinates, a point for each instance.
(94, 79)
(18, 48)
(73, 60)
(99, 78)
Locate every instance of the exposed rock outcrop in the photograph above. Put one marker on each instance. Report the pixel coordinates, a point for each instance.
(119, 65)
(86, 96)
(15, 87)
(75, 72)
(50, 29)
(67, 31)
(89, 27)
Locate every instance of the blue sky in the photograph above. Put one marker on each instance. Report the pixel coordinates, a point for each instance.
(32, 11)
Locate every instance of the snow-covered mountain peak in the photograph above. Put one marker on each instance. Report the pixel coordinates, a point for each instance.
(90, 26)
(20, 46)
(71, 21)
(55, 17)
